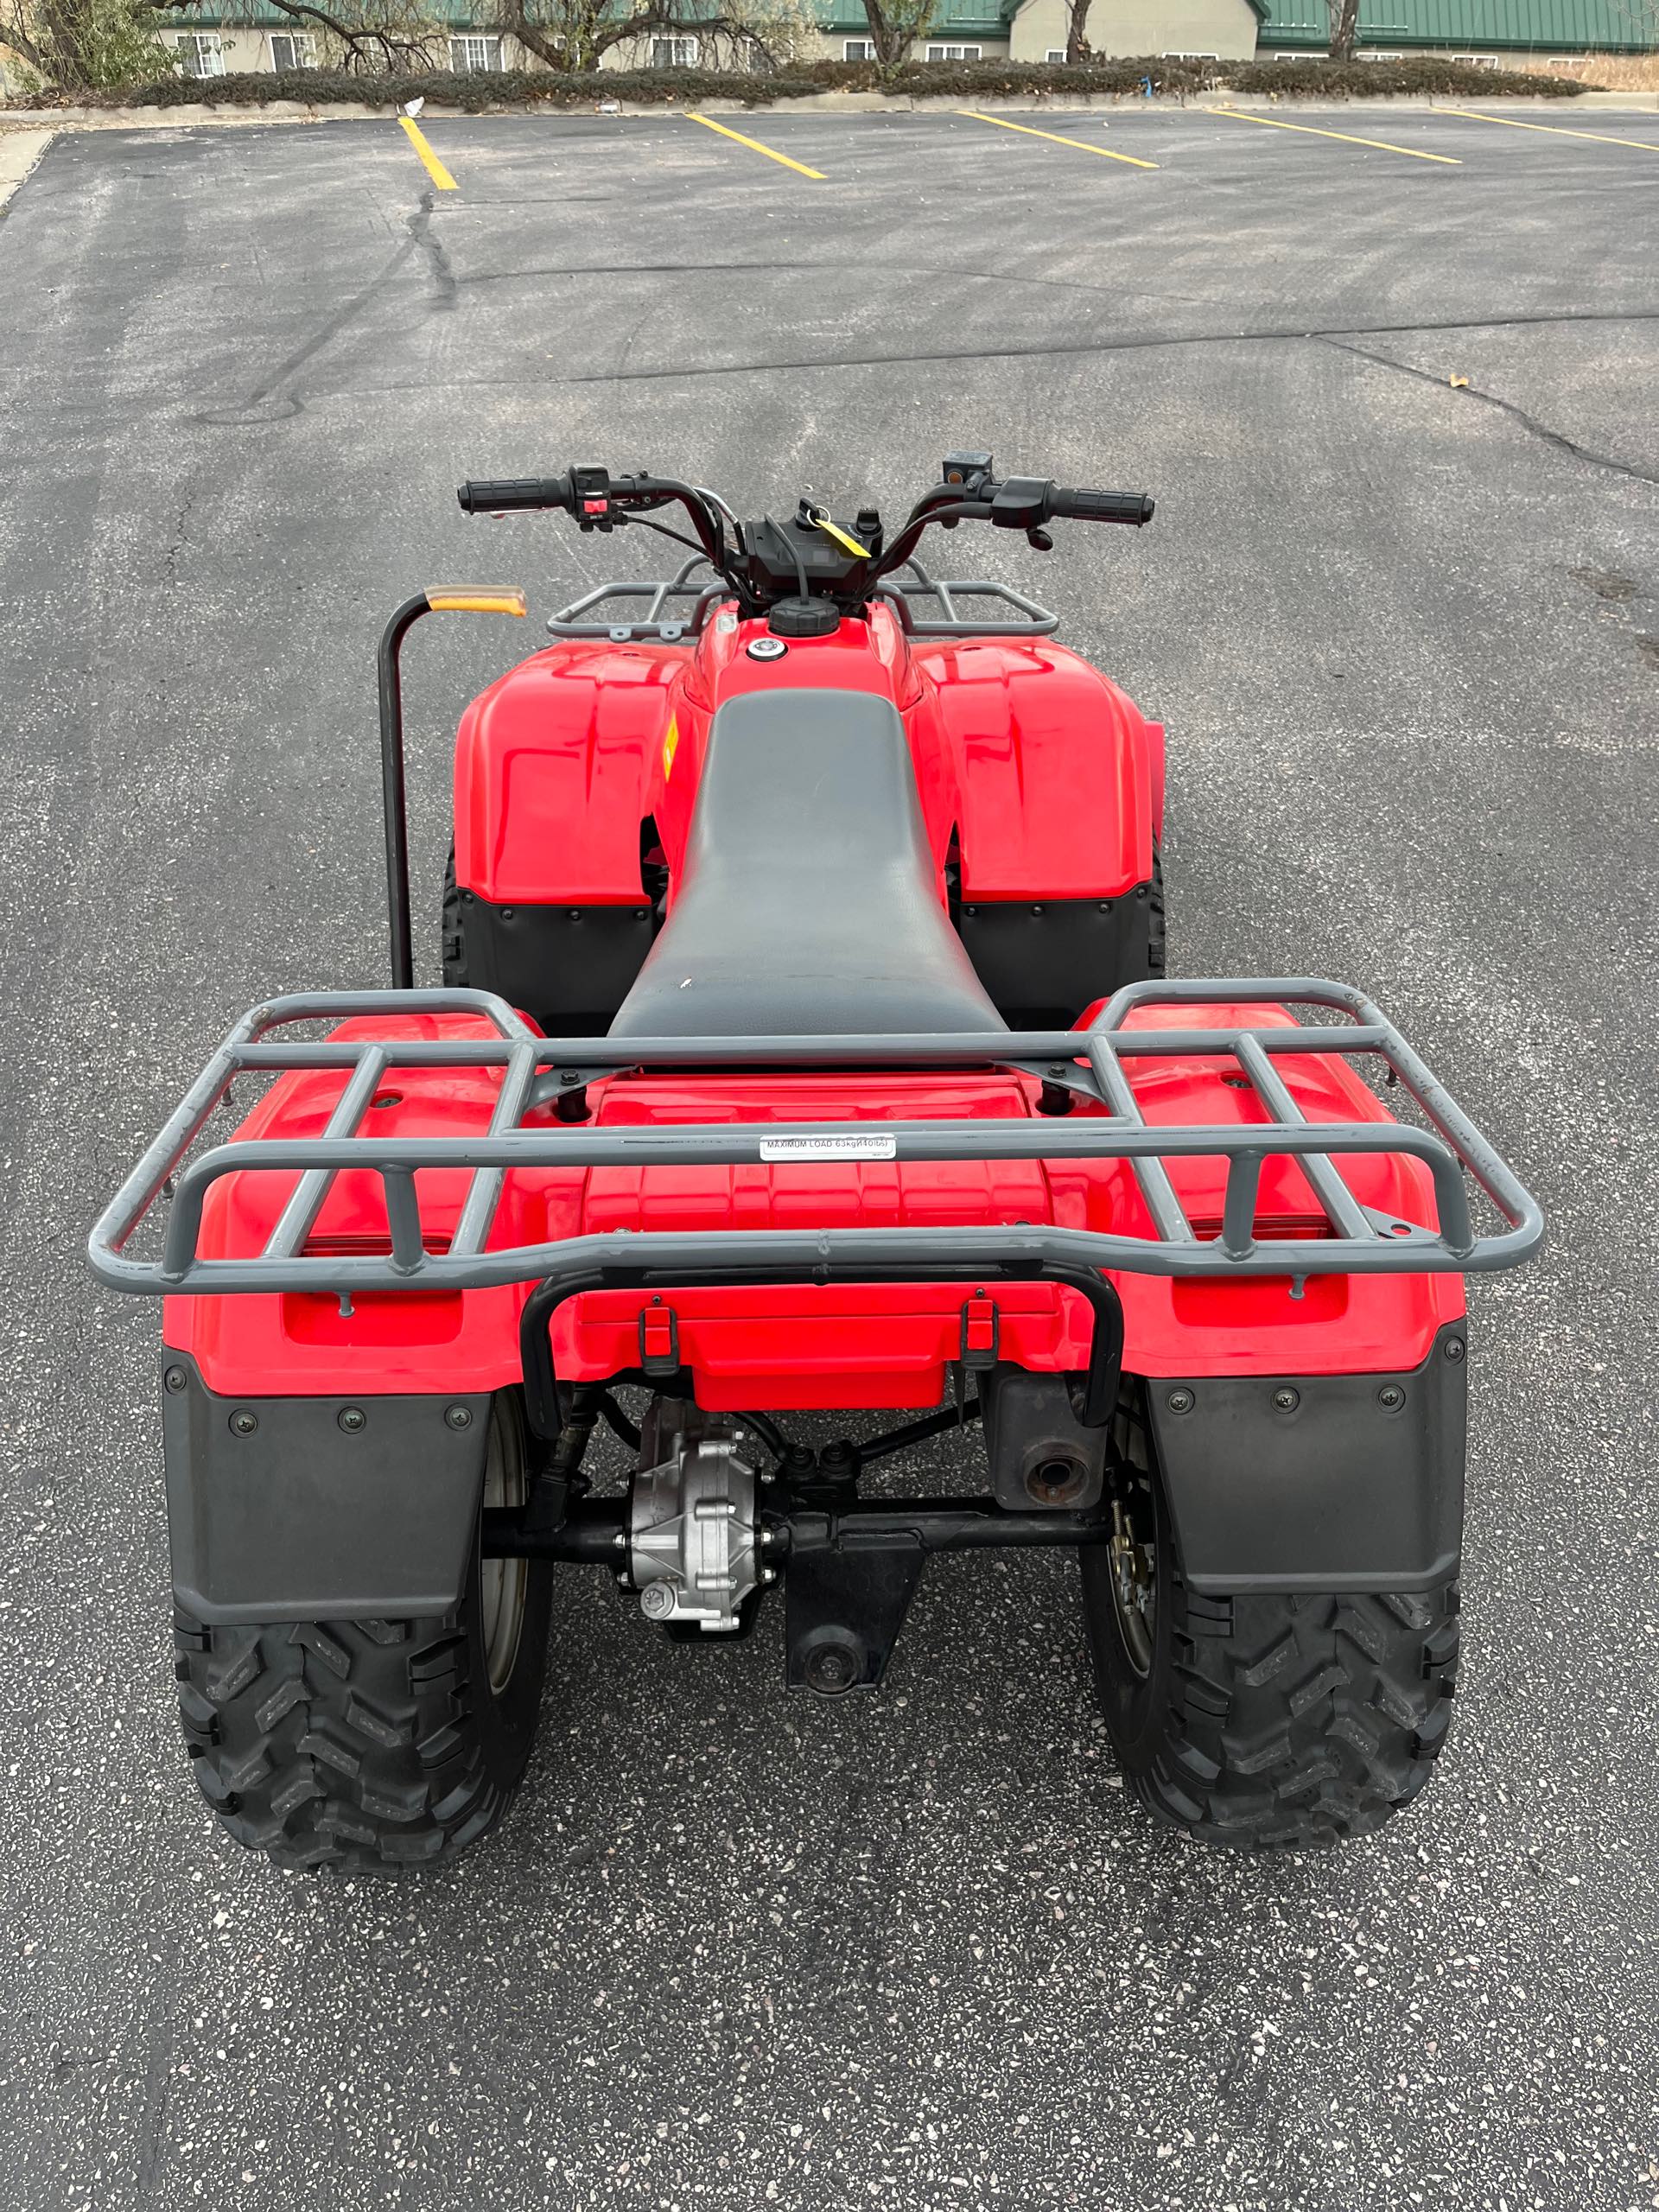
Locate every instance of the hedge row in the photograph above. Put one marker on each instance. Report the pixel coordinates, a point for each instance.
(969, 80)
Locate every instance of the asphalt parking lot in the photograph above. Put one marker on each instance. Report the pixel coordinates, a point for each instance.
(732, 1949)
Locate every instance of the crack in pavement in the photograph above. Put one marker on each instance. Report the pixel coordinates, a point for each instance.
(1529, 423)
(946, 272)
(1294, 333)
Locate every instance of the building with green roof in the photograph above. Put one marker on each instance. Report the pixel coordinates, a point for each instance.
(1484, 29)
(251, 34)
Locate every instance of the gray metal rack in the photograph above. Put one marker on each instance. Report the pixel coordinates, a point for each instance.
(1088, 1061)
(1024, 618)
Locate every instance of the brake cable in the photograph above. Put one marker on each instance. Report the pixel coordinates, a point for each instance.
(662, 530)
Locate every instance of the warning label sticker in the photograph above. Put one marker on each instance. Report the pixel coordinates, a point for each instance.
(848, 1148)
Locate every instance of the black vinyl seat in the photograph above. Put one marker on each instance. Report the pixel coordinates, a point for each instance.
(808, 905)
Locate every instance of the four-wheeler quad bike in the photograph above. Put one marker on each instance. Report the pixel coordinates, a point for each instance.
(804, 1045)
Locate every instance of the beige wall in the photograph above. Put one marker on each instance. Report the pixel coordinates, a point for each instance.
(241, 49)
(248, 50)
(1224, 28)
(831, 46)
(822, 46)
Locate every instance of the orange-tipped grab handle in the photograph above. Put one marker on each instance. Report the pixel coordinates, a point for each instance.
(493, 599)
(461, 599)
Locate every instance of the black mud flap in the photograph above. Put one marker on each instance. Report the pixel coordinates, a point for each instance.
(1044, 960)
(569, 966)
(1317, 1481)
(318, 1508)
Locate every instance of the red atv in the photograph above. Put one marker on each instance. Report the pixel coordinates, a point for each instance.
(804, 1045)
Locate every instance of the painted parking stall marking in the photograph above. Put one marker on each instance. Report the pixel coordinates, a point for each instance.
(1555, 129)
(429, 162)
(1106, 153)
(1381, 145)
(755, 146)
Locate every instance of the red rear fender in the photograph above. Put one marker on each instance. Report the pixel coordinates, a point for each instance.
(1060, 776)
(555, 768)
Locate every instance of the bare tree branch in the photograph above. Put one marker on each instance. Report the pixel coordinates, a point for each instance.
(895, 26)
(574, 34)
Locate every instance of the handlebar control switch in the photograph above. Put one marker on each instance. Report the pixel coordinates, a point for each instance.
(591, 489)
(967, 469)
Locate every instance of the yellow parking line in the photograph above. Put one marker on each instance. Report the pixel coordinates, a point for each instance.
(1347, 137)
(754, 146)
(1055, 139)
(434, 166)
(1555, 130)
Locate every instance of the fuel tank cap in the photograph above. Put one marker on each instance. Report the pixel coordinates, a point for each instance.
(804, 618)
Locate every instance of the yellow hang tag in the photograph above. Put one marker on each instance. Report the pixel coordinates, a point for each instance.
(847, 545)
(670, 745)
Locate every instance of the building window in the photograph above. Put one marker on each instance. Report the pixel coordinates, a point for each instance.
(1367, 55)
(1173, 56)
(1055, 53)
(673, 53)
(1477, 60)
(473, 54)
(292, 50)
(954, 53)
(858, 50)
(200, 53)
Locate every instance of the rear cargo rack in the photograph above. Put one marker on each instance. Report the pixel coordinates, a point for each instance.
(1088, 1061)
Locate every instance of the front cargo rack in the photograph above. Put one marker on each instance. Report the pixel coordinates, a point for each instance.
(1090, 1061)
(677, 608)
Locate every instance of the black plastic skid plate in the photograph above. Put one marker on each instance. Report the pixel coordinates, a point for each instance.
(1317, 1481)
(298, 1518)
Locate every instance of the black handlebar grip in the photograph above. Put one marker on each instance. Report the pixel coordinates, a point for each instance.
(1132, 507)
(529, 495)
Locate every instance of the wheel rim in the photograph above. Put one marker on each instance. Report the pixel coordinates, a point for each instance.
(1135, 1582)
(503, 1582)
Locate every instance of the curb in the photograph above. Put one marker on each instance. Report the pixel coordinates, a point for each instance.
(195, 114)
(19, 151)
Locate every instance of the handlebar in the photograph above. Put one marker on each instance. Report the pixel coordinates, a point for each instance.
(527, 495)
(970, 493)
(1132, 507)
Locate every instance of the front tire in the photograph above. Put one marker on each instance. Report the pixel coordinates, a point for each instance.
(1261, 1721)
(375, 1745)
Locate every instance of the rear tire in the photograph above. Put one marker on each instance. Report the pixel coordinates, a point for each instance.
(375, 1745)
(1263, 1722)
(1157, 917)
(454, 929)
